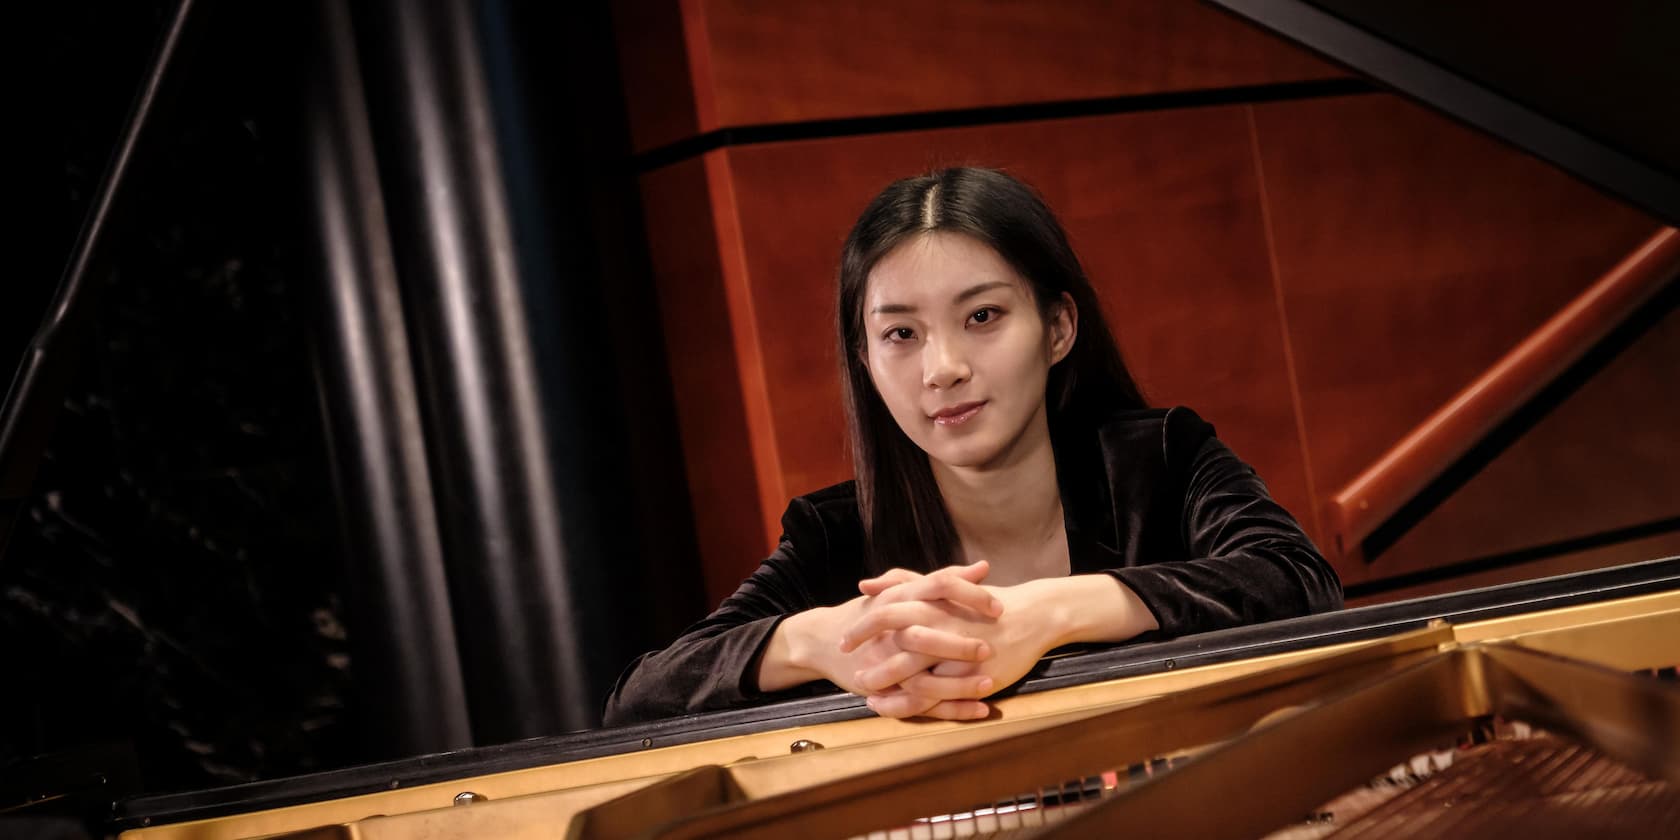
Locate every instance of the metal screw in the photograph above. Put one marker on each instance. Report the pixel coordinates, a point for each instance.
(1171, 664)
(803, 745)
(647, 742)
(467, 797)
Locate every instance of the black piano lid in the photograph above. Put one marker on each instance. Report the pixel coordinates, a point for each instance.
(1352, 625)
(1591, 89)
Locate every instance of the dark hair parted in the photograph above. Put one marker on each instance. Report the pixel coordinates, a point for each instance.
(904, 517)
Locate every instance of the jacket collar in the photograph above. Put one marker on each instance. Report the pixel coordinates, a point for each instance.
(1106, 480)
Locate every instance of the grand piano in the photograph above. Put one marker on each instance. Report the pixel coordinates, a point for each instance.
(1229, 734)
(1546, 705)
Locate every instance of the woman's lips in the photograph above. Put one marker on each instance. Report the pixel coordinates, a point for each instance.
(957, 415)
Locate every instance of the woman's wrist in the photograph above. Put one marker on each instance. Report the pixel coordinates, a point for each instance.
(1037, 605)
(1086, 608)
(792, 656)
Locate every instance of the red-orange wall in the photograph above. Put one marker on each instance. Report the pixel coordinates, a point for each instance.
(1315, 275)
(695, 66)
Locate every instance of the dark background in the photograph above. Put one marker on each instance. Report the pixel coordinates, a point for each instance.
(175, 583)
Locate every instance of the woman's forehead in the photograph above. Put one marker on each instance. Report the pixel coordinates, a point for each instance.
(936, 270)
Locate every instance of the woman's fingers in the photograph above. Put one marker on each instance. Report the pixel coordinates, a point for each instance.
(899, 704)
(883, 618)
(941, 644)
(881, 583)
(971, 687)
(951, 668)
(952, 588)
(903, 704)
(927, 601)
(892, 671)
(973, 573)
(958, 710)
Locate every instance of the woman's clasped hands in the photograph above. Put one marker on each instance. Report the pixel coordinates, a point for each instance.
(933, 645)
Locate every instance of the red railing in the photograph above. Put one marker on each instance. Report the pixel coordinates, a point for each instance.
(1438, 442)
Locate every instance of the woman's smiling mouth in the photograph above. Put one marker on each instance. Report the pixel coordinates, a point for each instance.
(956, 415)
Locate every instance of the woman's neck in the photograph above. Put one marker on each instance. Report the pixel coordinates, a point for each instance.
(1010, 513)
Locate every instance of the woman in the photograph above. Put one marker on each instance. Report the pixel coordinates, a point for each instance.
(1013, 492)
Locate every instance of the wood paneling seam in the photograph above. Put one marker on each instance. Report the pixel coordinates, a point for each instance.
(749, 350)
(698, 42)
(1283, 320)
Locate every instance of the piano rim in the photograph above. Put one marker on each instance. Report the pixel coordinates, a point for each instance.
(1111, 663)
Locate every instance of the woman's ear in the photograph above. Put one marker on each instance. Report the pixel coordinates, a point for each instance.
(1064, 328)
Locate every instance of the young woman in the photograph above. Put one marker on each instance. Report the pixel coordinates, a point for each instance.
(1014, 493)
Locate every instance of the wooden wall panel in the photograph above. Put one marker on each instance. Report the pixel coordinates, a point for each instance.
(659, 93)
(1163, 207)
(759, 62)
(1412, 253)
(1604, 460)
(1409, 255)
(1315, 276)
(680, 208)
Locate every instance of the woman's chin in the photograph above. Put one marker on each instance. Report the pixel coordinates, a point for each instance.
(968, 456)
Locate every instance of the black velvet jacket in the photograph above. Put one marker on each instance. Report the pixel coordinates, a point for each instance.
(1155, 500)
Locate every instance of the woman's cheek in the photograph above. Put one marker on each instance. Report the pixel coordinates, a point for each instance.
(902, 409)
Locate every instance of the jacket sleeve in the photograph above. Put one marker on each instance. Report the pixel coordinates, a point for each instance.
(710, 666)
(1249, 560)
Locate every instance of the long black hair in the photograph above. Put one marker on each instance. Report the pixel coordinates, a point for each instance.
(904, 517)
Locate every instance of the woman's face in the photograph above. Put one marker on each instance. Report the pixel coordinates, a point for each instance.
(958, 350)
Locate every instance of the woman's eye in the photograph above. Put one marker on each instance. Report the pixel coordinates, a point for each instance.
(900, 334)
(983, 315)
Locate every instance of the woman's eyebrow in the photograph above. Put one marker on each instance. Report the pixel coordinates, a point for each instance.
(965, 294)
(980, 289)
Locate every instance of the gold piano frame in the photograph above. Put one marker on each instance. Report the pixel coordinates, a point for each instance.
(874, 768)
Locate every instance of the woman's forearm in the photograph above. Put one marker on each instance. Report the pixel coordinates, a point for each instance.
(1088, 608)
(791, 658)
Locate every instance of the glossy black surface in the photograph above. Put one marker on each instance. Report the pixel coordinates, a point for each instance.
(522, 547)
(32, 400)
(1588, 90)
(176, 587)
(1125, 661)
(406, 641)
(172, 587)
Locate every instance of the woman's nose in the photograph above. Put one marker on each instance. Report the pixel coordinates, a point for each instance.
(944, 365)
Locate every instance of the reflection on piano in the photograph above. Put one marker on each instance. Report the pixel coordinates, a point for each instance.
(1286, 727)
